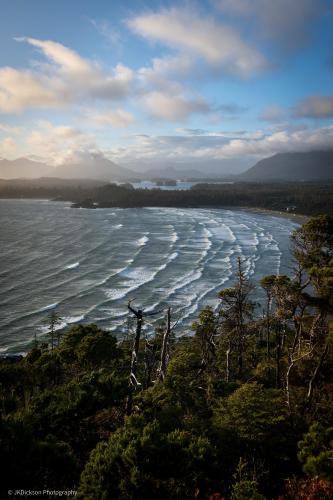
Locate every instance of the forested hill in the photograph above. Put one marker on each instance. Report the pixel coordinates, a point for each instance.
(238, 409)
(308, 199)
(301, 198)
(292, 167)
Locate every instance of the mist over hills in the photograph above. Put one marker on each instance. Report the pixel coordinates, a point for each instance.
(174, 173)
(97, 167)
(292, 167)
(100, 168)
(288, 167)
(23, 168)
(203, 168)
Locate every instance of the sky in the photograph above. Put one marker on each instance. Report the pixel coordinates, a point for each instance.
(209, 83)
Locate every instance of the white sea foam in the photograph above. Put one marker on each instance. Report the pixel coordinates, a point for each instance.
(136, 277)
(45, 329)
(185, 280)
(74, 319)
(48, 307)
(194, 306)
(173, 237)
(142, 241)
(173, 256)
(73, 266)
(224, 233)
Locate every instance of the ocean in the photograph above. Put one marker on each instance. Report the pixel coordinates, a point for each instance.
(87, 264)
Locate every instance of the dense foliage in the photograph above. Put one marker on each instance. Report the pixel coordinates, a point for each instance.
(302, 198)
(309, 199)
(241, 409)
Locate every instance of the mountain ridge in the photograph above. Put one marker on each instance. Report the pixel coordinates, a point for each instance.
(97, 167)
(22, 168)
(281, 167)
(293, 166)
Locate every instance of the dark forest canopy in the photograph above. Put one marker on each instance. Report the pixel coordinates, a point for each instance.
(308, 199)
(239, 408)
(301, 198)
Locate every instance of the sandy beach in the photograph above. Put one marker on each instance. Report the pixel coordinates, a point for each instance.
(300, 219)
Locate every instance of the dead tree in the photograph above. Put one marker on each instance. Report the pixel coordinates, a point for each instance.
(227, 367)
(292, 360)
(315, 375)
(164, 350)
(133, 381)
(134, 359)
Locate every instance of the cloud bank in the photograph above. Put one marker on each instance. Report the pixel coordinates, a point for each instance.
(66, 78)
(185, 30)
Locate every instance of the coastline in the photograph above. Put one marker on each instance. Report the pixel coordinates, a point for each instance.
(298, 218)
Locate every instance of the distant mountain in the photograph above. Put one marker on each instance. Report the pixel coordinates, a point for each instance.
(22, 168)
(311, 166)
(97, 167)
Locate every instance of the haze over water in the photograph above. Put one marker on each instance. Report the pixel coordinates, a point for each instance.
(86, 264)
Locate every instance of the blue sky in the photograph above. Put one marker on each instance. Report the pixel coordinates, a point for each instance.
(215, 82)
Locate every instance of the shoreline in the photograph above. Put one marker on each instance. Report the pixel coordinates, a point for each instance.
(298, 218)
(8, 351)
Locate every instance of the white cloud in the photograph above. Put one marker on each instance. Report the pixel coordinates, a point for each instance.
(68, 60)
(314, 107)
(206, 146)
(173, 107)
(66, 78)
(8, 129)
(82, 156)
(20, 89)
(84, 78)
(62, 144)
(174, 148)
(162, 95)
(187, 31)
(117, 118)
(8, 147)
(163, 68)
(55, 142)
(278, 142)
